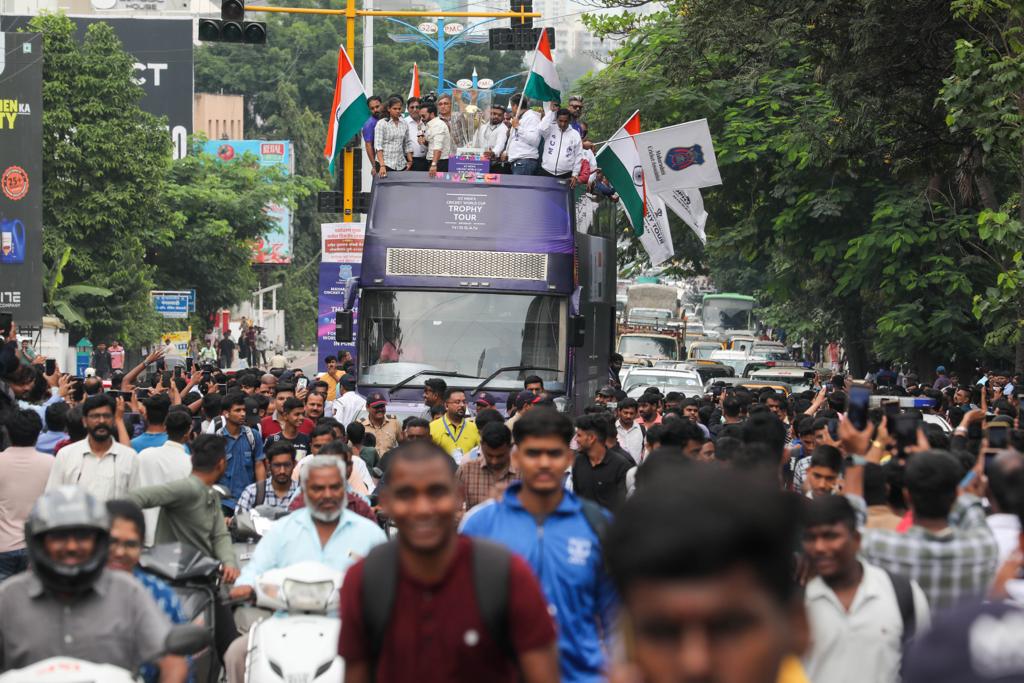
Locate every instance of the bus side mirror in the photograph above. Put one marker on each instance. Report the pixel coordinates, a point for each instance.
(577, 331)
(343, 322)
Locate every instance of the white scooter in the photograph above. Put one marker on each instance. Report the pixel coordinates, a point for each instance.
(183, 639)
(300, 641)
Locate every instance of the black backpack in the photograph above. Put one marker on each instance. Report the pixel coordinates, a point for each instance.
(490, 585)
(905, 602)
(491, 563)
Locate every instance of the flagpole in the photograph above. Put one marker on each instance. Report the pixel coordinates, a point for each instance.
(529, 73)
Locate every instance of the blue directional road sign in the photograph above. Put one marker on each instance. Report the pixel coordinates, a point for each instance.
(174, 304)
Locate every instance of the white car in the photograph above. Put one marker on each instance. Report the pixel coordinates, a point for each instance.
(686, 382)
(738, 360)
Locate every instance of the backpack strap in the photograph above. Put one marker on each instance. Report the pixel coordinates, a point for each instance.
(261, 492)
(905, 602)
(380, 583)
(491, 566)
(594, 514)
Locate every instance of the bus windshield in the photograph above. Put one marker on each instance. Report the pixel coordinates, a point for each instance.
(472, 333)
(722, 313)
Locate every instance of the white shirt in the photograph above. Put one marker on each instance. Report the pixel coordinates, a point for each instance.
(438, 137)
(492, 137)
(104, 477)
(866, 643)
(523, 141)
(415, 129)
(1006, 530)
(631, 440)
(159, 465)
(562, 148)
(348, 406)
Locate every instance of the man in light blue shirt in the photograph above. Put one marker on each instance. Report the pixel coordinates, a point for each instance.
(320, 532)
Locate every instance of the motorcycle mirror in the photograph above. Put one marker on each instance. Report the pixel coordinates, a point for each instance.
(186, 639)
(222, 490)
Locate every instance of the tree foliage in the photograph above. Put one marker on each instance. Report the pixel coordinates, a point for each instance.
(121, 218)
(870, 155)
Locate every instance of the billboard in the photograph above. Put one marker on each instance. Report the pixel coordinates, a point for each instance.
(276, 246)
(21, 177)
(342, 259)
(163, 65)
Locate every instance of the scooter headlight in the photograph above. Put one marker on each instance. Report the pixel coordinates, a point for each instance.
(307, 596)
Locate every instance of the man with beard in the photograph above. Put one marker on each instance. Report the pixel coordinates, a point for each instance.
(454, 432)
(97, 463)
(319, 532)
(445, 630)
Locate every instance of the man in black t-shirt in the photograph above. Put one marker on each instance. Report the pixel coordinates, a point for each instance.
(292, 416)
(598, 473)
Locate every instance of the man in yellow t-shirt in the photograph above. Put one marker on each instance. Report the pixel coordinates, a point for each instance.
(331, 377)
(454, 432)
(703, 559)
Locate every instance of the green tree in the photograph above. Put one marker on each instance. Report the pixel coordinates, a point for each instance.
(221, 206)
(105, 167)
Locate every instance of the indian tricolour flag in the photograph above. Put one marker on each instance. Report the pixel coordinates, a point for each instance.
(619, 161)
(414, 87)
(542, 83)
(348, 112)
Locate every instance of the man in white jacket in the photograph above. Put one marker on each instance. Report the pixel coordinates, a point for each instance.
(524, 137)
(563, 146)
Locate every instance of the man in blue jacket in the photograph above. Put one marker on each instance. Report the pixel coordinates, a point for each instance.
(559, 535)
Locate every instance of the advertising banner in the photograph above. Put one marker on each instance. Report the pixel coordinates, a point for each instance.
(163, 65)
(342, 242)
(21, 177)
(333, 276)
(276, 247)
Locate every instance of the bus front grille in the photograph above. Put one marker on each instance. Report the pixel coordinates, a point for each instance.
(476, 264)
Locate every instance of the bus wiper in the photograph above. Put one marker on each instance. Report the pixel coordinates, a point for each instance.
(441, 373)
(509, 369)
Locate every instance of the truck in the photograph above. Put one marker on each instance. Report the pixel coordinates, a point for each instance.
(480, 280)
(651, 327)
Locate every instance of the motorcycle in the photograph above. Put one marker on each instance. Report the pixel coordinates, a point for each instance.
(247, 528)
(195, 578)
(300, 641)
(184, 639)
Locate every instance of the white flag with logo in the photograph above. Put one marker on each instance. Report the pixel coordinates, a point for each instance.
(657, 237)
(688, 205)
(678, 157)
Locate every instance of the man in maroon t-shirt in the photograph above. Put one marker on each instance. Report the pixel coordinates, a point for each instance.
(435, 632)
(271, 424)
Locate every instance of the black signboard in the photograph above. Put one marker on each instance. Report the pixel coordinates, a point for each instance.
(21, 176)
(163, 65)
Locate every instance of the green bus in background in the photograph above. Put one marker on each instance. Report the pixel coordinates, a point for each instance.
(724, 312)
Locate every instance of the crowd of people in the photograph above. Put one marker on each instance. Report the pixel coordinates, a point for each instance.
(743, 535)
(424, 134)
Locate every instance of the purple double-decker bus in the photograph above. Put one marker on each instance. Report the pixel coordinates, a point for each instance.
(482, 280)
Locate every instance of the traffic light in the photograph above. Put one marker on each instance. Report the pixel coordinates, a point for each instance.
(518, 38)
(521, 6)
(232, 26)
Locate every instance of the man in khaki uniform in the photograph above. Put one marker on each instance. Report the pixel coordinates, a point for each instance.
(386, 428)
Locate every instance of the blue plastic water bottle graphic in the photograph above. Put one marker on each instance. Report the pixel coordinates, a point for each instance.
(12, 241)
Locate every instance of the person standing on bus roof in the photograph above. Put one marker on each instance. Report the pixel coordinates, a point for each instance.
(563, 146)
(524, 137)
(438, 139)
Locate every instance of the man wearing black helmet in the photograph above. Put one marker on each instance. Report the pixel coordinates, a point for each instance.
(69, 604)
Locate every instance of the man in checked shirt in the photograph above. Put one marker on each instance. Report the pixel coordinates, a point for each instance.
(479, 477)
(949, 551)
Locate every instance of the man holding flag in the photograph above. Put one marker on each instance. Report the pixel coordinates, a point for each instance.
(543, 84)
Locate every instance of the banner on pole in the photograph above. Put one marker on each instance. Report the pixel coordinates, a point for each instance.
(688, 205)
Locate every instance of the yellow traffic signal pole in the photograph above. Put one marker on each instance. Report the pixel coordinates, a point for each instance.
(350, 12)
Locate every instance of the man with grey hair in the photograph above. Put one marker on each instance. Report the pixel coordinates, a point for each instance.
(320, 532)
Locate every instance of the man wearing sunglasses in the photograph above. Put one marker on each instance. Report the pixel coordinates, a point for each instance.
(385, 428)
